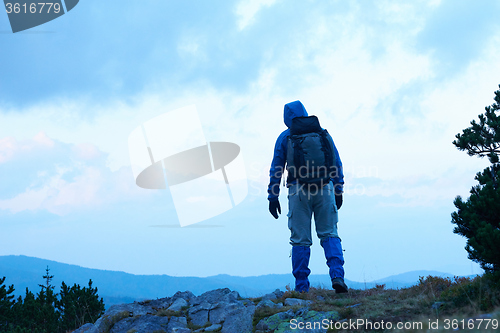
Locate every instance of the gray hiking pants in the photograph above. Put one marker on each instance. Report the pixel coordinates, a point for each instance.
(302, 204)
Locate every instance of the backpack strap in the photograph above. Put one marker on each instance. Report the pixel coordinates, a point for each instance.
(327, 149)
(298, 154)
(330, 157)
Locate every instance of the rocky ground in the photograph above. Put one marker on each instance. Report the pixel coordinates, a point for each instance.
(433, 305)
(220, 310)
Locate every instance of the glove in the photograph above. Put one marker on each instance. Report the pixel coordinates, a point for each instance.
(274, 208)
(338, 200)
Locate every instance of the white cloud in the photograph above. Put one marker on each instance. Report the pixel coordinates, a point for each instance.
(64, 183)
(59, 196)
(191, 48)
(29, 200)
(246, 10)
(86, 151)
(9, 146)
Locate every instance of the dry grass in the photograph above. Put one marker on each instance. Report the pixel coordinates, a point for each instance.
(448, 302)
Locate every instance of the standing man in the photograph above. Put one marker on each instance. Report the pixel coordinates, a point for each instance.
(315, 186)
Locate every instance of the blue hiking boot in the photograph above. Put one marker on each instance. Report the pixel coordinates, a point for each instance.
(300, 269)
(335, 261)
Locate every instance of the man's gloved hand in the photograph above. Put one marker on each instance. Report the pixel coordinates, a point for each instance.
(274, 208)
(338, 200)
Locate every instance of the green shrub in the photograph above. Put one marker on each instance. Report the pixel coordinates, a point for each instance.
(481, 293)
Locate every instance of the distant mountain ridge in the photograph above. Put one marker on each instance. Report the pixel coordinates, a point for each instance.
(119, 287)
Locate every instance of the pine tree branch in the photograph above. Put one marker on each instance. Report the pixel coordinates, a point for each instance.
(479, 151)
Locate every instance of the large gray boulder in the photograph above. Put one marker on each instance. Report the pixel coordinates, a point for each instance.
(269, 304)
(240, 320)
(113, 315)
(146, 323)
(178, 304)
(224, 295)
(176, 324)
(199, 313)
(214, 306)
(159, 303)
(221, 310)
(187, 295)
(297, 302)
(274, 295)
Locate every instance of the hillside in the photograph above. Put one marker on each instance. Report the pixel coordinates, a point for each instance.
(119, 287)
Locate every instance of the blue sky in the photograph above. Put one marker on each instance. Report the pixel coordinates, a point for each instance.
(393, 82)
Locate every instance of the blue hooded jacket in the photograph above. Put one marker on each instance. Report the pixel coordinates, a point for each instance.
(292, 110)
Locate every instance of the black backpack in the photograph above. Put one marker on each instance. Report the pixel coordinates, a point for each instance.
(310, 158)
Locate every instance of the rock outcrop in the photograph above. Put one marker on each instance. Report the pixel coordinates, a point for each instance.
(220, 310)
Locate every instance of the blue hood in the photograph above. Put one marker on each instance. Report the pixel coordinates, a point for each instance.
(292, 110)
